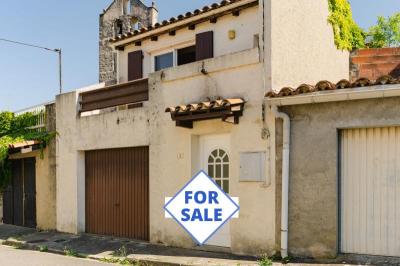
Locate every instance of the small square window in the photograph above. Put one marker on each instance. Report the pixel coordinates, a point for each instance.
(186, 55)
(163, 61)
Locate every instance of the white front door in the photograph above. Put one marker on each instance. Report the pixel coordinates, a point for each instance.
(215, 160)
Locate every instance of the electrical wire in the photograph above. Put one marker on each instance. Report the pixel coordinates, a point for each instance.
(29, 45)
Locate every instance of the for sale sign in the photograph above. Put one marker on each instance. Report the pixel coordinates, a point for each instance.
(201, 207)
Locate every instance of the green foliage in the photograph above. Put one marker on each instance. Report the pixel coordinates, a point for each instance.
(121, 252)
(265, 261)
(348, 34)
(43, 248)
(14, 129)
(70, 252)
(122, 261)
(386, 33)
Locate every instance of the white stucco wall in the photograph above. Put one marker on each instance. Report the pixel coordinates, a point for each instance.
(245, 26)
(300, 44)
(127, 128)
(173, 150)
(299, 48)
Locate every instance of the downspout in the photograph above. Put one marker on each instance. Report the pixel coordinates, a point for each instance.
(285, 180)
(286, 145)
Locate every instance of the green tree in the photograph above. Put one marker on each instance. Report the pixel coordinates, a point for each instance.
(348, 34)
(386, 33)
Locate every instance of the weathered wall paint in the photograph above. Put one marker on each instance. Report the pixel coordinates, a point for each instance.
(313, 202)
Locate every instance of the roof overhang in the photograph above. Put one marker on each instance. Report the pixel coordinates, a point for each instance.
(351, 94)
(175, 23)
(25, 146)
(229, 110)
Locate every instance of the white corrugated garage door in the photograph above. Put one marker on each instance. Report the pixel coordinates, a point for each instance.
(370, 191)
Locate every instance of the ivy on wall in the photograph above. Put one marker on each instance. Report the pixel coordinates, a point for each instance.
(348, 35)
(14, 129)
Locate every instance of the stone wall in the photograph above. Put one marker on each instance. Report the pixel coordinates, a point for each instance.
(117, 15)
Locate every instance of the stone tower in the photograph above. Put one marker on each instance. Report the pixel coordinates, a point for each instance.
(120, 17)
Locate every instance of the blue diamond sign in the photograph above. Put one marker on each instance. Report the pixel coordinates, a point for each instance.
(201, 207)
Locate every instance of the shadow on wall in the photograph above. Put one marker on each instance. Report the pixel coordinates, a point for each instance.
(396, 72)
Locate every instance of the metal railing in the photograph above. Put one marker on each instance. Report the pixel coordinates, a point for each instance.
(39, 112)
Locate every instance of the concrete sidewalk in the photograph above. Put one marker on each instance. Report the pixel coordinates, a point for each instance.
(109, 248)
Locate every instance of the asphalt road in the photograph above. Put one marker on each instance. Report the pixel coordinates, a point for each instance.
(18, 257)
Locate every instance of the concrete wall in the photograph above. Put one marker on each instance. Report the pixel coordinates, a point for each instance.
(246, 27)
(128, 128)
(300, 44)
(313, 202)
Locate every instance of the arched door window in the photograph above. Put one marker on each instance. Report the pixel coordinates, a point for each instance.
(218, 168)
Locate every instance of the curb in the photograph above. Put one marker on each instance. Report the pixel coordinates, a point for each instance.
(27, 246)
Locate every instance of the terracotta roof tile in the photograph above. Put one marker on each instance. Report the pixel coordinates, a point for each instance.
(204, 106)
(178, 18)
(327, 85)
(23, 144)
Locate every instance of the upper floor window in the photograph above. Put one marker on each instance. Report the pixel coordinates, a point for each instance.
(163, 61)
(186, 55)
(175, 57)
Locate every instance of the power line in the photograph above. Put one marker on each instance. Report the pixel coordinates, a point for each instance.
(28, 44)
(43, 48)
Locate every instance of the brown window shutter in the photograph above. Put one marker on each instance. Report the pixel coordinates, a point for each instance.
(204, 45)
(135, 65)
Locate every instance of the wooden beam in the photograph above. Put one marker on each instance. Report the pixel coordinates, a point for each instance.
(154, 38)
(139, 43)
(185, 124)
(172, 33)
(192, 27)
(214, 20)
(236, 13)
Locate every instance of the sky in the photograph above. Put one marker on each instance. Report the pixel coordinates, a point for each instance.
(30, 76)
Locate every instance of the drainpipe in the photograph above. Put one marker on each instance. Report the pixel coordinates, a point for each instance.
(285, 180)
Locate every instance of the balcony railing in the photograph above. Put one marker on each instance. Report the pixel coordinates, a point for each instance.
(39, 112)
(122, 94)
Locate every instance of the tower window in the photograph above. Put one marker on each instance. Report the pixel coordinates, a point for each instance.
(118, 27)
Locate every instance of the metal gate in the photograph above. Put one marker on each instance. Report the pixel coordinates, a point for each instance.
(19, 198)
(117, 192)
(370, 191)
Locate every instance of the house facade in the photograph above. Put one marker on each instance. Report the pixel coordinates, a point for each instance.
(182, 95)
(30, 198)
(341, 173)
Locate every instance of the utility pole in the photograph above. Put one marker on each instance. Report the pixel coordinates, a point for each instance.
(58, 51)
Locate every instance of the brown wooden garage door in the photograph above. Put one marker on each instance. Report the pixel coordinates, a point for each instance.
(117, 192)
